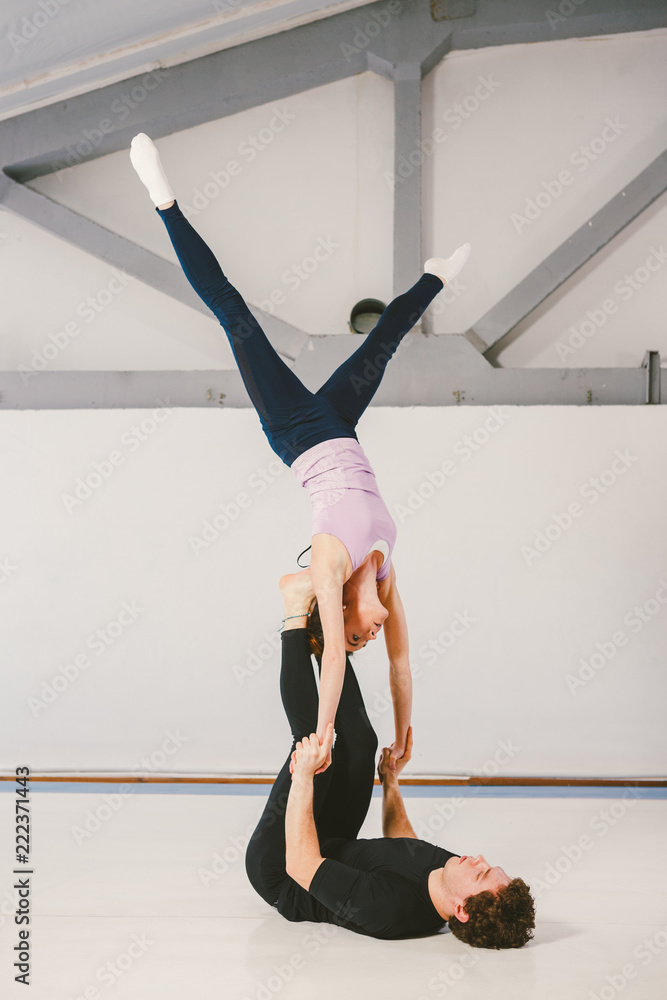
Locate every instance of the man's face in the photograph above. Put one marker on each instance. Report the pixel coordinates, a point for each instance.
(466, 876)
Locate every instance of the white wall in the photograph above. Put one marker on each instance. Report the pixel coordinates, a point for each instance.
(198, 659)
(512, 119)
(67, 573)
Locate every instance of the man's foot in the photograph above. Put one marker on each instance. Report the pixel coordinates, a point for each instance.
(146, 161)
(447, 268)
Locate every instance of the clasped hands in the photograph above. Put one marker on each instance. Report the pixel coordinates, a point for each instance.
(394, 758)
(313, 756)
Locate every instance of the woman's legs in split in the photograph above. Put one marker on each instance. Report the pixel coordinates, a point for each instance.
(292, 417)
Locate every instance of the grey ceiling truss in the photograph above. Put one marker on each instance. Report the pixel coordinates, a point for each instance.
(404, 42)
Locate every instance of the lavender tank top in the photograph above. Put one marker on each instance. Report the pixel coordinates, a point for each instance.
(345, 499)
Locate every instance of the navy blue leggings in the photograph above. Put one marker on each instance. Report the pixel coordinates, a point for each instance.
(293, 418)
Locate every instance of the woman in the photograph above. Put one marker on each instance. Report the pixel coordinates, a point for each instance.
(352, 577)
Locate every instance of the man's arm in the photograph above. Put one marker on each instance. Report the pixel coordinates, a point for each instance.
(302, 846)
(395, 822)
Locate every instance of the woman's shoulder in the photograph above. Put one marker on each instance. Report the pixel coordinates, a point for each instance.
(330, 549)
(386, 586)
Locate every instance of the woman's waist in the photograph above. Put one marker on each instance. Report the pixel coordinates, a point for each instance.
(351, 514)
(341, 460)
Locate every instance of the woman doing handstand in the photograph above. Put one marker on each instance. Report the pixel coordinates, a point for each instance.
(353, 534)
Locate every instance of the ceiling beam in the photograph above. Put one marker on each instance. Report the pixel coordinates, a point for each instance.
(167, 100)
(572, 254)
(434, 371)
(130, 258)
(46, 69)
(50, 71)
(266, 71)
(527, 21)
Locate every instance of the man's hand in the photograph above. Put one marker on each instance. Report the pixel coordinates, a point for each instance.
(311, 756)
(323, 740)
(393, 759)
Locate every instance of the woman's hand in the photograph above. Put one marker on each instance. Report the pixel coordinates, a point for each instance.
(326, 742)
(394, 758)
(312, 755)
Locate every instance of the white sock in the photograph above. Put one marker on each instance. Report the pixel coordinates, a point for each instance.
(447, 268)
(146, 161)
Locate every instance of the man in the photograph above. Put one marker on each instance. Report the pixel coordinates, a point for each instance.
(304, 857)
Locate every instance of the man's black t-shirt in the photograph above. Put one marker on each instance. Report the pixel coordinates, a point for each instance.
(377, 887)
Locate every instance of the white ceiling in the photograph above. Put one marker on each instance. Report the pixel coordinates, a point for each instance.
(55, 49)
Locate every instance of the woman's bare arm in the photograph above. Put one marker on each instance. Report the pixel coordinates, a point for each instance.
(400, 675)
(327, 572)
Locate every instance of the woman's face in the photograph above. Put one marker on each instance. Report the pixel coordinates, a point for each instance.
(362, 625)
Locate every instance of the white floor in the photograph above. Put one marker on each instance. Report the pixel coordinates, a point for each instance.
(145, 895)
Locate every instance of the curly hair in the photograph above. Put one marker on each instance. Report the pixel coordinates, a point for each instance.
(502, 919)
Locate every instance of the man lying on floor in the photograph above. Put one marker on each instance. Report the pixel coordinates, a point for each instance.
(304, 857)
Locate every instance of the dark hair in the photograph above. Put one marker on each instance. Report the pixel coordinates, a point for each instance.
(315, 632)
(502, 919)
